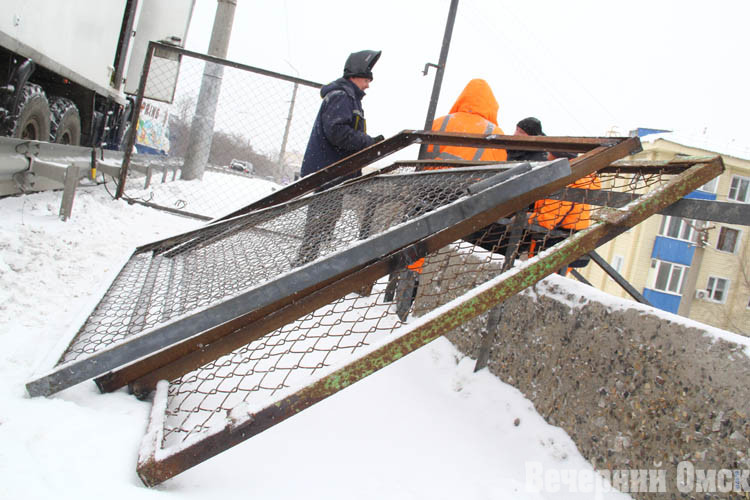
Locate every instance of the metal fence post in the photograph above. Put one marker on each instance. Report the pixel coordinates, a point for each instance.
(440, 71)
(130, 140)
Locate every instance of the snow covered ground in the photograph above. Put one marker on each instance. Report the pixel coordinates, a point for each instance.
(424, 427)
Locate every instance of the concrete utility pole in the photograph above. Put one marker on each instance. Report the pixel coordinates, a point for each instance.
(440, 70)
(202, 128)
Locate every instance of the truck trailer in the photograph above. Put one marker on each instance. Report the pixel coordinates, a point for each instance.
(69, 69)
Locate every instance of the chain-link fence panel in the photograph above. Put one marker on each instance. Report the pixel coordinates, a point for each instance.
(251, 319)
(223, 119)
(258, 384)
(225, 260)
(251, 262)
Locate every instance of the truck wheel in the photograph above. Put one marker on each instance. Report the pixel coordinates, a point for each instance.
(65, 125)
(32, 121)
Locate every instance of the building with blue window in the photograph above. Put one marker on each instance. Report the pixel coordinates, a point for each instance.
(694, 268)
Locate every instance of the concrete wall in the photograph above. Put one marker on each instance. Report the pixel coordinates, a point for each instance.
(634, 387)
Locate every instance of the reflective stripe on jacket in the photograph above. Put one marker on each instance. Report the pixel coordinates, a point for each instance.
(474, 112)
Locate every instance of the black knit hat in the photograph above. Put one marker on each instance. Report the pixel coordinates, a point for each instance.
(361, 63)
(531, 126)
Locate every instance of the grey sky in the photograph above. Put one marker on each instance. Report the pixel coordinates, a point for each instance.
(581, 66)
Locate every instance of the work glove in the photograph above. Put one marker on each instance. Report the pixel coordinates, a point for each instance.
(378, 139)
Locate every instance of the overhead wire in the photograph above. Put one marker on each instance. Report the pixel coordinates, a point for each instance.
(480, 20)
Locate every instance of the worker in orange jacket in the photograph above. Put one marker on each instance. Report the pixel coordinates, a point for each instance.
(558, 214)
(474, 112)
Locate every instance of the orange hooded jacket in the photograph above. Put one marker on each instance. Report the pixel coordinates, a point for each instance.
(474, 112)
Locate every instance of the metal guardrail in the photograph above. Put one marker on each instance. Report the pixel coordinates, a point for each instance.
(32, 166)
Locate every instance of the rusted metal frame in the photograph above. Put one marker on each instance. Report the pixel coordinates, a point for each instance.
(681, 161)
(355, 162)
(264, 294)
(514, 142)
(612, 273)
(378, 151)
(425, 329)
(645, 170)
(246, 326)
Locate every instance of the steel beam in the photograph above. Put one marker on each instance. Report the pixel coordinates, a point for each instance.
(689, 208)
(612, 273)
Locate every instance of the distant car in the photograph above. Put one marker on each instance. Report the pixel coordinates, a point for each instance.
(241, 166)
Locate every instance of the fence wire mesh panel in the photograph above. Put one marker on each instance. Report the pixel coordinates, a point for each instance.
(253, 318)
(214, 275)
(241, 393)
(225, 119)
(227, 259)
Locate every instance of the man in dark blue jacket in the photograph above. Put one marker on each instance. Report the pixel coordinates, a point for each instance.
(339, 131)
(339, 128)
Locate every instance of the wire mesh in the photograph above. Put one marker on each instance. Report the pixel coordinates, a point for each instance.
(229, 258)
(270, 368)
(225, 119)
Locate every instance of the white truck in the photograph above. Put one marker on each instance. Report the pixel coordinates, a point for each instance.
(68, 68)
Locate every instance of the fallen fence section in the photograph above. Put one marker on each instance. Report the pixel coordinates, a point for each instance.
(233, 269)
(269, 309)
(243, 392)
